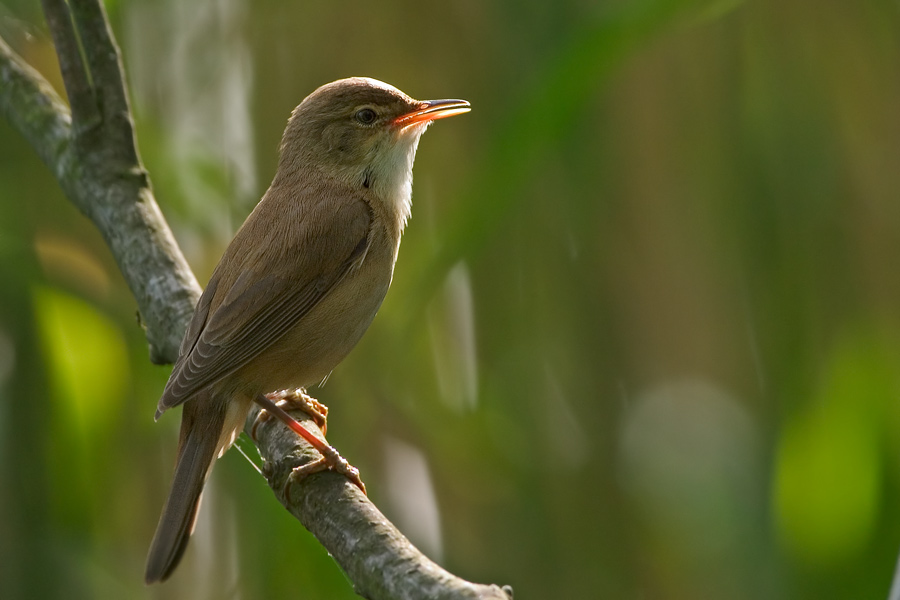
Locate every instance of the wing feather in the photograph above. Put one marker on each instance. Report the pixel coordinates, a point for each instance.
(221, 340)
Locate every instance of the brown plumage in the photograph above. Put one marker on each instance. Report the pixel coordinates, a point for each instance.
(301, 281)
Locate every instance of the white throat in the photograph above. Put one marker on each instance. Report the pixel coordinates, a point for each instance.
(391, 172)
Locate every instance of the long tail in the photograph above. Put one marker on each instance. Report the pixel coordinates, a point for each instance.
(201, 427)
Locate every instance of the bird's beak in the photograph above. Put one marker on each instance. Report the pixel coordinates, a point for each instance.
(432, 110)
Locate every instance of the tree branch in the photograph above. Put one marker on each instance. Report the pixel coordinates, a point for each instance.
(107, 73)
(93, 154)
(75, 76)
(29, 103)
(96, 163)
(378, 559)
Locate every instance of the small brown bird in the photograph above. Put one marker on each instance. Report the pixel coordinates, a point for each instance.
(301, 281)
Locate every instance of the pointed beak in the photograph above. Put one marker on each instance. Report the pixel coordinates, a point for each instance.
(432, 110)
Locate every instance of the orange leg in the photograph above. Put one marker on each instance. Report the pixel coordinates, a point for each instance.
(294, 400)
(330, 459)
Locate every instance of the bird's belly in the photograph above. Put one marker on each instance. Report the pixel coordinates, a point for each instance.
(308, 352)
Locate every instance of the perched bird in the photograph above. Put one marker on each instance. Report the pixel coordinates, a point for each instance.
(301, 281)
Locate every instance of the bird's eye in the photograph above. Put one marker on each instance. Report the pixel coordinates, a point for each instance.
(366, 116)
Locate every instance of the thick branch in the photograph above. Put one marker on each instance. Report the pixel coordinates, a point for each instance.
(378, 559)
(107, 182)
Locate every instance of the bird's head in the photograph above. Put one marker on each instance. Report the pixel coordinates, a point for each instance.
(364, 133)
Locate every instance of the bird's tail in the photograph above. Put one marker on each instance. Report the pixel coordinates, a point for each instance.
(201, 427)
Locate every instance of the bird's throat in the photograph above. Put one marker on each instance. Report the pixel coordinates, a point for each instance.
(390, 174)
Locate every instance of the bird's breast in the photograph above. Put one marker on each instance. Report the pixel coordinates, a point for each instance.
(308, 351)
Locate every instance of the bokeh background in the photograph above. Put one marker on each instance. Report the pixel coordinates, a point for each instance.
(644, 334)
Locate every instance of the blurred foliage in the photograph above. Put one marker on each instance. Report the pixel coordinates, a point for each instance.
(643, 337)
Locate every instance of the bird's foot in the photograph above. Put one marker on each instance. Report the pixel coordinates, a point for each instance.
(296, 399)
(330, 459)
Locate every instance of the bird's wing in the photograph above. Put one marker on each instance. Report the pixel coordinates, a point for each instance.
(266, 301)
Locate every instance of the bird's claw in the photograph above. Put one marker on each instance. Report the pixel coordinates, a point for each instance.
(330, 460)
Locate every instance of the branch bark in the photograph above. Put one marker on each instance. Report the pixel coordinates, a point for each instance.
(92, 152)
(93, 155)
(378, 559)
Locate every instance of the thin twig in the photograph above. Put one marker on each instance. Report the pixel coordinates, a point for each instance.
(107, 73)
(33, 107)
(74, 74)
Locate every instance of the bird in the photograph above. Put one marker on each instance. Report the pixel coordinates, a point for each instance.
(300, 282)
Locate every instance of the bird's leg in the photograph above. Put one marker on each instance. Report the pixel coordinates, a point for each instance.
(330, 459)
(296, 399)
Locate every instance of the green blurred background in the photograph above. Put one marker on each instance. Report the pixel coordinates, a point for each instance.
(644, 333)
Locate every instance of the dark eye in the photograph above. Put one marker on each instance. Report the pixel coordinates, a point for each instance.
(366, 116)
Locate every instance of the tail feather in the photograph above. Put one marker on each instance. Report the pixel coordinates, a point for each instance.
(198, 447)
